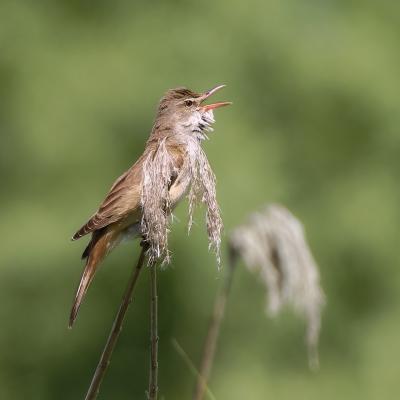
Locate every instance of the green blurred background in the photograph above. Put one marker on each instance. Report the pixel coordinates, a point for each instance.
(315, 86)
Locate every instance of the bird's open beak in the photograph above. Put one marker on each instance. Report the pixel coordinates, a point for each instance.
(213, 106)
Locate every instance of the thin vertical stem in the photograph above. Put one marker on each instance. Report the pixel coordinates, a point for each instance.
(105, 358)
(153, 378)
(210, 343)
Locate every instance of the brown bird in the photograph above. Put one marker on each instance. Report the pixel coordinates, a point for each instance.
(181, 118)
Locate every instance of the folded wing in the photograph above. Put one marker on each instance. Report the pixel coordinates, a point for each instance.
(122, 200)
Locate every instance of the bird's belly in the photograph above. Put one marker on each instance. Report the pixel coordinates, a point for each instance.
(128, 227)
(131, 232)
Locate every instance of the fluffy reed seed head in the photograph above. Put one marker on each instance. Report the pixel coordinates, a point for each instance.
(273, 246)
(203, 189)
(158, 170)
(159, 173)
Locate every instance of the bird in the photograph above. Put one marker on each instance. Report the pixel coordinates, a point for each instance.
(181, 114)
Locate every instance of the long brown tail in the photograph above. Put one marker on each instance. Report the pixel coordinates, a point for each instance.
(98, 251)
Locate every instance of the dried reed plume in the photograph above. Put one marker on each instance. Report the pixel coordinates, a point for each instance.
(272, 245)
(159, 173)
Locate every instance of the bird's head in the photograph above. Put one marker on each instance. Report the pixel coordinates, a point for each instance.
(184, 111)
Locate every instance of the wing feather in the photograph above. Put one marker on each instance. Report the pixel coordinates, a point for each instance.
(122, 199)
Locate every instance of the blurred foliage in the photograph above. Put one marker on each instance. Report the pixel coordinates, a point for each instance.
(315, 86)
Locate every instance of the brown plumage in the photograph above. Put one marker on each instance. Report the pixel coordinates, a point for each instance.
(180, 115)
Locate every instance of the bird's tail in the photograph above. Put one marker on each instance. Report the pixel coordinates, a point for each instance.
(97, 252)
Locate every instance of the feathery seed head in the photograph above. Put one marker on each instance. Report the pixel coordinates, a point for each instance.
(272, 245)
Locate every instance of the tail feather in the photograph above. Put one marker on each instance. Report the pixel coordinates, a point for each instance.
(86, 279)
(97, 252)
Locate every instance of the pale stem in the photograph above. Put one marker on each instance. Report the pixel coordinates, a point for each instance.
(210, 343)
(153, 378)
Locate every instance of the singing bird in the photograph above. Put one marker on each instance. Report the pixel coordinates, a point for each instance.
(181, 113)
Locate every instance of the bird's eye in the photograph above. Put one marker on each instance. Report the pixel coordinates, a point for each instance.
(188, 103)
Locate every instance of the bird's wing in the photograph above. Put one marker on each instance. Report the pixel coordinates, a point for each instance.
(124, 196)
(122, 199)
